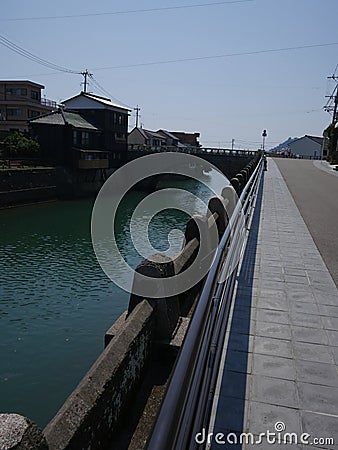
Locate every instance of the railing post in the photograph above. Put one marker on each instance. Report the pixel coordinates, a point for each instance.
(166, 308)
(218, 205)
(230, 196)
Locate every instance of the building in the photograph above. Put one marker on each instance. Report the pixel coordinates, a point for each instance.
(170, 139)
(190, 139)
(140, 136)
(162, 138)
(67, 139)
(309, 147)
(21, 101)
(110, 118)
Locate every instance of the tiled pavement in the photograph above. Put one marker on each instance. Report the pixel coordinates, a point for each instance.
(282, 354)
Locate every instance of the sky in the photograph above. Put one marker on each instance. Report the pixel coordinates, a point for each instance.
(225, 69)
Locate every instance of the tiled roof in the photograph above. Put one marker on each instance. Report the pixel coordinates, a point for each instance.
(103, 100)
(63, 118)
(148, 134)
(53, 118)
(168, 134)
(77, 121)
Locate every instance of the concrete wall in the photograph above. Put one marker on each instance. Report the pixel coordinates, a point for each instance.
(23, 186)
(89, 415)
(27, 186)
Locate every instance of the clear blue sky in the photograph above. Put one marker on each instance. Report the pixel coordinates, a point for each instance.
(222, 98)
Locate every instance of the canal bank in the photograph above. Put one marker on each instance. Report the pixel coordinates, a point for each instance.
(20, 186)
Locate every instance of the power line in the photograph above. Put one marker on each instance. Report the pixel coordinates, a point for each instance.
(130, 11)
(26, 54)
(104, 91)
(228, 55)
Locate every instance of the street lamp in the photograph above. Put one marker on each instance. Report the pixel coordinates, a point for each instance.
(264, 135)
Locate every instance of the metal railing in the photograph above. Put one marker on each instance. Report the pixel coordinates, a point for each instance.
(187, 404)
(49, 103)
(190, 150)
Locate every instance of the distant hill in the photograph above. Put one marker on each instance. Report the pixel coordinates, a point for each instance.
(283, 145)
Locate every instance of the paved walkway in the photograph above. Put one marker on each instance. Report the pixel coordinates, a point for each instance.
(282, 355)
(315, 193)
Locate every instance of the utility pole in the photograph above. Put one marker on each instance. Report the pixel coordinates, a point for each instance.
(232, 144)
(334, 117)
(335, 96)
(137, 109)
(328, 107)
(85, 74)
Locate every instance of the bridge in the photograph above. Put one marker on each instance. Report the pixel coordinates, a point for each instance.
(259, 352)
(228, 161)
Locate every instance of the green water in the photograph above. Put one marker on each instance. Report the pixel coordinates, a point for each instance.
(55, 301)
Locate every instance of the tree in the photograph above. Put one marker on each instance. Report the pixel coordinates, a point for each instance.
(18, 145)
(332, 133)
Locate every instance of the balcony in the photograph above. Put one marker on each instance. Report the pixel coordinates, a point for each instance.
(91, 159)
(48, 103)
(93, 164)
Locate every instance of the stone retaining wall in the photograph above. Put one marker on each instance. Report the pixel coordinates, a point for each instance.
(89, 415)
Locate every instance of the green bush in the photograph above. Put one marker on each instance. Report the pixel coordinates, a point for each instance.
(18, 145)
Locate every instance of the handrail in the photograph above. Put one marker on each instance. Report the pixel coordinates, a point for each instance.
(186, 405)
(190, 149)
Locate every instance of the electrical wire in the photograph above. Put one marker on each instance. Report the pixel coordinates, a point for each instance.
(130, 11)
(104, 91)
(228, 55)
(26, 54)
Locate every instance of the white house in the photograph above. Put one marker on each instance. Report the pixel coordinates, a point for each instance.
(309, 147)
(162, 138)
(140, 136)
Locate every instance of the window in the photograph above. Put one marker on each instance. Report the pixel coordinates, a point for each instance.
(32, 114)
(17, 91)
(120, 136)
(35, 95)
(120, 119)
(14, 112)
(74, 137)
(85, 138)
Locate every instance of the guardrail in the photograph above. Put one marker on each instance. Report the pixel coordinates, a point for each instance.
(190, 150)
(187, 404)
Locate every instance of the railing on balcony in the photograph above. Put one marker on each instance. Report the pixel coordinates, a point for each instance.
(48, 103)
(91, 159)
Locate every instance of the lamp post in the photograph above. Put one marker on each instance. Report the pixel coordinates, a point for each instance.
(264, 135)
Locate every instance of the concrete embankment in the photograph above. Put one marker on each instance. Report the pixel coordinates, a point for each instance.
(22, 186)
(33, 185)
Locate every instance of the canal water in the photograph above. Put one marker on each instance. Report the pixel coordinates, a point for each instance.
(55, 301)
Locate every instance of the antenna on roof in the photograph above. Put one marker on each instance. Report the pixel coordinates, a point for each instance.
(85, 74)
